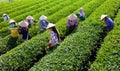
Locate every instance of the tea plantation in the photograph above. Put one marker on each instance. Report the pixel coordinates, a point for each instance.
(87, 48)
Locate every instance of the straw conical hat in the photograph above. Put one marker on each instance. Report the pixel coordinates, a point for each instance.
(103, 16)
(4, 14)
(81, 8)
(29, 17)
(72, 17)
(50, 25)
(43, 17)
(23, 24)
(11, 21)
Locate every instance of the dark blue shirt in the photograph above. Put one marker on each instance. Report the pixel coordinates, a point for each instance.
(109, 23)
(25, 34)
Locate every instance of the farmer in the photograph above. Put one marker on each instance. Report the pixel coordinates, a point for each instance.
(6, 17)
(12, 23)
(54, 36)
(81, 14)
(29, 20)
(72, 22)
(43, 22)
(24, 30)
(13, 29)
(109, 23)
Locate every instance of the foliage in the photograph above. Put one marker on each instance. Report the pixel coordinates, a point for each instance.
(75, 50)
(22, 57)
(108, 56)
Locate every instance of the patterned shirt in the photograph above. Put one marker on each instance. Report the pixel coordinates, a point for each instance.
(53, 38)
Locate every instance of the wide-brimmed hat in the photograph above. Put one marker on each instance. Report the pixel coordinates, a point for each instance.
(4, 14)
(103, 16)
(23, 24)
(11, 21)
(72, 17)
(43, 17)
(50, 25)
(29, 17)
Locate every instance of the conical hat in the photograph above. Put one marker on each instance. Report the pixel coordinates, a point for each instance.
(11, 21)
(81, 8)
(29, 17)
(72, 17)
(103, 16)
(23, 24)
(43, 17)
(50, 25)
(4, 14)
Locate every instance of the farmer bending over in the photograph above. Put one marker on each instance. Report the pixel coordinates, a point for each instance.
(6, 17)
(43, 22)
(109, 23)
(54, 36)
(24, 30)
(81, 14)
(13, 29)
(72, 22)
(29, 20)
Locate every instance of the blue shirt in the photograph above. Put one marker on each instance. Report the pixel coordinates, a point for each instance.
(43, 24)
(12, 25)
(6, 18)
(109, 23)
